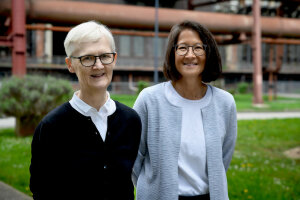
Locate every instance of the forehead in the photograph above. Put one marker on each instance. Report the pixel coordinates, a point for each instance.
(189, 36)
(100, 46)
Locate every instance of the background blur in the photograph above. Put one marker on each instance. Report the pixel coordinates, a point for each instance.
(133, 25)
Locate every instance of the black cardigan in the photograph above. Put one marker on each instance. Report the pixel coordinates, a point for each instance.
(71, 161)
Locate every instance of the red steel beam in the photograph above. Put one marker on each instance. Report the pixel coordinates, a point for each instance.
(18, 38)
(138, 17)
(256, 49)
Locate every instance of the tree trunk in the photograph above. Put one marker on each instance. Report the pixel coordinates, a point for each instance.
(25, 126)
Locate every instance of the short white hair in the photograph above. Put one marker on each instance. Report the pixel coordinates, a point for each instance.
(90, 31)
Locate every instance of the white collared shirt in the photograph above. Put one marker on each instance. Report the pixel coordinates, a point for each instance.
(99, 118)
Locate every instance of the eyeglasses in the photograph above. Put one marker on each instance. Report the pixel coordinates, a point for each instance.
(90, 60)
(198, 49)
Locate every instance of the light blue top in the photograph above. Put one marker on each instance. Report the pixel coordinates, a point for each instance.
(155, 172)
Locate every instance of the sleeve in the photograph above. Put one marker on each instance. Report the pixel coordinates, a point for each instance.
(37, 163)
(230, 137)
(140, 108)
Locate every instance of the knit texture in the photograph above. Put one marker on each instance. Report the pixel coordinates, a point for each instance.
(71, 161)
(155, 172)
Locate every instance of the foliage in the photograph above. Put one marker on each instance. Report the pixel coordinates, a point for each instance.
(30, 98)
(142, 85)
(33, 95)
(243, 87)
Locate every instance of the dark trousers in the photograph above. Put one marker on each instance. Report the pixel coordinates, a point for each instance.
(198, 197)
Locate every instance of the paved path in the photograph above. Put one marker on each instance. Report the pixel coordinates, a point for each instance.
(9, 193)
(7, 122)
(267, 115)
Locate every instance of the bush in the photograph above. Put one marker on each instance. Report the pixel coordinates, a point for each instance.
(243, 88)
(28, 99)
(142, 85)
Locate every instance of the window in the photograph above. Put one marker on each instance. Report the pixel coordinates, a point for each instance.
(138, 46)
(124, 45)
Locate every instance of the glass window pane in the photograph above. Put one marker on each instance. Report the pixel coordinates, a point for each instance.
(138, 46)
(124, 45)
(160, 47)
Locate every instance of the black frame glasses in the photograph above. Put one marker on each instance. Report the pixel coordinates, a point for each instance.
(90, 60)
(183, 49)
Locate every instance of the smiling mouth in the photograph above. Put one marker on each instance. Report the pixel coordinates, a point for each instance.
(190, 64)
(97, 75)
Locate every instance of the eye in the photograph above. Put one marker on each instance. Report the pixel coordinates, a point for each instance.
(198, 47)
(106, 56)
(87, 58)
(182, 47)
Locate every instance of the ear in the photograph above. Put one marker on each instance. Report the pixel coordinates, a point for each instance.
(69, 64)
(115, 60)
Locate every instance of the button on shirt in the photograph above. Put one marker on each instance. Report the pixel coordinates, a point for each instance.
(99, 118)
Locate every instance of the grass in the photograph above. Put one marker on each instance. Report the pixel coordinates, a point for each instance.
(125, 99)
(244, 103)
(259, 169)
(15, 160)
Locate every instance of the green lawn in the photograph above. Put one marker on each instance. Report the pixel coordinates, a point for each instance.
(259, 169)
(15, 160)
(244, 103)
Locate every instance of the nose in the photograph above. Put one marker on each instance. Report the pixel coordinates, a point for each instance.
(190, 52)
(98, 63)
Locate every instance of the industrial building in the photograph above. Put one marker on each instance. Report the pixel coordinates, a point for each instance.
(133, 25)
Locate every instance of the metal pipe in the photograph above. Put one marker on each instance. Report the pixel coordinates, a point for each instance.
(125, 16)
(218, 38)
(156, 43)
(257, 71)
(18, 38)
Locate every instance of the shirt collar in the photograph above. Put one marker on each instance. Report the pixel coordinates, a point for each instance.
(108, 108)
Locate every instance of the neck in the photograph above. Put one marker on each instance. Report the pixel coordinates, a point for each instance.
(94, 99)
(190, 89)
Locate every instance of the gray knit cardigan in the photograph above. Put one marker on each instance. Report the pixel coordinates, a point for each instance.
(155, 172)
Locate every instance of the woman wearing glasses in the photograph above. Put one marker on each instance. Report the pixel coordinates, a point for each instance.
(86, 148)
(189, 127)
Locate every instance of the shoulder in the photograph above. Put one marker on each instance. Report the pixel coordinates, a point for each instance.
(152, 92)
(158, 88)
(53, 121)
(59, 113)
(221, 95)
(125, 111)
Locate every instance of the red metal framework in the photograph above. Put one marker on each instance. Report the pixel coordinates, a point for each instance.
(18, 38)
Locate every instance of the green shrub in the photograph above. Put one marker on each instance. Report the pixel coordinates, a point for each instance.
(243, 87)
(142, 85)
(231, 91)
(28, 99)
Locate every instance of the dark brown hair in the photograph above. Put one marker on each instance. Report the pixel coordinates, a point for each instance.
(213, 65)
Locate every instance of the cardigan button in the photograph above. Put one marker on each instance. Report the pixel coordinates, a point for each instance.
(105, 166)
